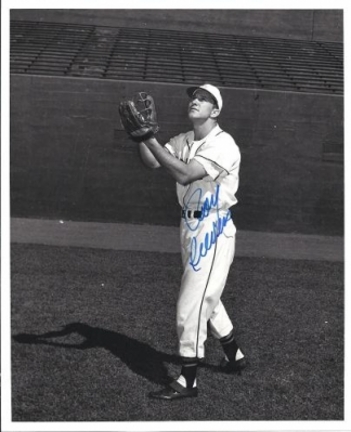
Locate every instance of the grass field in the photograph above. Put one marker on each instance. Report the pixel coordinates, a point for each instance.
(94, 332)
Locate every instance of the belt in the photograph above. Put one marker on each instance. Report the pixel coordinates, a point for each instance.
(191, 214)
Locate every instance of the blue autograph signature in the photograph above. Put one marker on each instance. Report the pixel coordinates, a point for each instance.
(199, 250)
(208, 204)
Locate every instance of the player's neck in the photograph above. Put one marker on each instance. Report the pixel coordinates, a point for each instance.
(203, 129)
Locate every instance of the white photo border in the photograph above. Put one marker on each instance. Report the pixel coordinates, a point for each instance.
(6, 408)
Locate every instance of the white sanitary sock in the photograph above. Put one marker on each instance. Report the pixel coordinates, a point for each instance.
(182, 381)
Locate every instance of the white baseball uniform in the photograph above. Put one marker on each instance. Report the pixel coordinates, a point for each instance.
(207, 242)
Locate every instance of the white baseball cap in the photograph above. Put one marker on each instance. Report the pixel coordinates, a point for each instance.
(214, 91)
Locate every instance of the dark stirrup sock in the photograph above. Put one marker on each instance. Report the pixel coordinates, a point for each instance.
(229, 346)
(189, 369)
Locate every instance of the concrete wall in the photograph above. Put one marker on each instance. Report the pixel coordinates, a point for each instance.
(326, 25)
(71, 160)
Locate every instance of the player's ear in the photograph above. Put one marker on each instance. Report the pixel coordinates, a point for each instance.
(215, 113)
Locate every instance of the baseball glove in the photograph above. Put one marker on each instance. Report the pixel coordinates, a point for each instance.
(138, 116)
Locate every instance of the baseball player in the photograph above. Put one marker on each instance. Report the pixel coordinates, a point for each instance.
(205, 165)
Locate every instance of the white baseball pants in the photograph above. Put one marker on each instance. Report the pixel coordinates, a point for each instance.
(199, 298)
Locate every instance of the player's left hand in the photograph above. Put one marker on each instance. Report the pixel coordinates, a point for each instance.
(138, 116)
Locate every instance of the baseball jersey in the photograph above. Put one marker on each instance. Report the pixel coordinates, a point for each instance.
(220, 157)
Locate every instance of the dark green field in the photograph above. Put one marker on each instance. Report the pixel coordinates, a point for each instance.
(94, 332)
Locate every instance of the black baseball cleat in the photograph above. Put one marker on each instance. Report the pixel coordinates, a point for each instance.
(235, 366)
(174, 391)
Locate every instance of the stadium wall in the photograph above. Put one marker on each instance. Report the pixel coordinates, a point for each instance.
(70, 159)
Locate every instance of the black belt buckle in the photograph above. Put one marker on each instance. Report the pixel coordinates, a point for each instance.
(191, 214)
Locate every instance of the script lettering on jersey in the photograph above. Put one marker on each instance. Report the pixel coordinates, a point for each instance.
(199, 249)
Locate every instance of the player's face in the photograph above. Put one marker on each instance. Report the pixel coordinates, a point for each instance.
(202, 106)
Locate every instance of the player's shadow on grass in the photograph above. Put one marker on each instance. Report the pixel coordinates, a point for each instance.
(138, 356)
